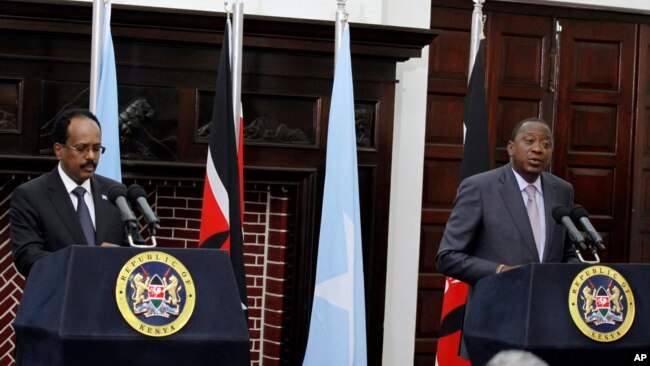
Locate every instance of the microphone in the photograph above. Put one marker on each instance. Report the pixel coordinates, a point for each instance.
(579, 214)
(561, 216)
(117, 196)
(138, 196)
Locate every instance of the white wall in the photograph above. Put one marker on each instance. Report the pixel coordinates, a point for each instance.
(631, 6)
(364, 11)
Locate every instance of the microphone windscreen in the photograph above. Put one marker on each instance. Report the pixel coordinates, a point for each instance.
(135, 191)
(559, 212)
(578, 213)
(116, 191)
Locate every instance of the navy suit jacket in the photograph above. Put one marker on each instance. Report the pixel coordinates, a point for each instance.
(489, 226)
(43, 218)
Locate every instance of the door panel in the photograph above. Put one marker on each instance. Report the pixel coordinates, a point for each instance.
(640, 220)
(518, 55)
(594, 121)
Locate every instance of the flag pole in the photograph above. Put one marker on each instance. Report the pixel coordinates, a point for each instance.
(477, 34)
(340, 21)
(95, 53)
(236, 60)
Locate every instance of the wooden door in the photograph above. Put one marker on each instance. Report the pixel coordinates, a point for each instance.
(640, 216)
(521, 62)
(447, 85)
(593, 129)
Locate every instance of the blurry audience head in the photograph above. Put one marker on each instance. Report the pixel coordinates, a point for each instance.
(515, 358)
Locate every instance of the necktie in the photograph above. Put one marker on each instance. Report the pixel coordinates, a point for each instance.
(84, 216)
(533, 215)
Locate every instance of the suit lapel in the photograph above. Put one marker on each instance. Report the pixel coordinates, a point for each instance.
(60, 199)
(550, 201)
(102, 204)
(513, 200)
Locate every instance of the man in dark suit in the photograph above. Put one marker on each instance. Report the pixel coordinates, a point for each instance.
(43, 211)
(489, 230)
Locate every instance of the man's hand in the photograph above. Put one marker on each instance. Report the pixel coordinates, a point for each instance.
(504, 267)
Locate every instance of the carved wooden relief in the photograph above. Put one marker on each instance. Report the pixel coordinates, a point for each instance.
(147, 118)
(10, 105)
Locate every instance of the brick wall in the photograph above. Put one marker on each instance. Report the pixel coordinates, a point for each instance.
(267, 218)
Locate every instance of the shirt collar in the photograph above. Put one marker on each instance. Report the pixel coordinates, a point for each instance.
(69, 183)
(523, 184)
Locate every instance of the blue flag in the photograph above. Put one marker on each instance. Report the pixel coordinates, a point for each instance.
(337, 331)
(107, 109)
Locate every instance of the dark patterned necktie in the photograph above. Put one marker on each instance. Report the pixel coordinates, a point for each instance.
(84, 216)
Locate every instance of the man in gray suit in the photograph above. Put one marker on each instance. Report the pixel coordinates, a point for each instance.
(43, 212)
(489, 230)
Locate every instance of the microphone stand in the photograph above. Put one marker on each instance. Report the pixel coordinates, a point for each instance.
(593, 252)
(140, 242)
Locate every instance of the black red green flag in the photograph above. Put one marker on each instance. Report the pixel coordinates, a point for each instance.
(222, 212)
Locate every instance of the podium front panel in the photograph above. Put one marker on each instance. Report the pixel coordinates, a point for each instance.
(69, 315)
(527, 308)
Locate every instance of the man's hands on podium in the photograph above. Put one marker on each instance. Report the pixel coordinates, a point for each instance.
(504, 267)
(109, 245)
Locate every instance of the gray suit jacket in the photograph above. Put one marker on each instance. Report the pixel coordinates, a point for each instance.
(489, 226)
(43, 218)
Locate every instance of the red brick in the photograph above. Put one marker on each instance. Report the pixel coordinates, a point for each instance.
(255, 207)
(252, 218)
(187, 214)
(254, 271)
(276, 254)
(279, 206)
(186, 234)
(278, 222)
(253, 196)
(165, 232)
(170, 243)
(273, 301)
(275, 286)
(277, 237)
(193, 224)
(272, 333)
(270, 361)
(275, 270)
(273, 317)
(172, 202)
(190, 192)
(254, 249)
(271, 349)
(254, 228)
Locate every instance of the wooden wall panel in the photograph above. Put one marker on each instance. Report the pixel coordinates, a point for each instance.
(640, 216)
(594, 125)
(447, 85)
(518, 55)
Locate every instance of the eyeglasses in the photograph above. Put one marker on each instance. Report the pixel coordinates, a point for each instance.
(83, 148)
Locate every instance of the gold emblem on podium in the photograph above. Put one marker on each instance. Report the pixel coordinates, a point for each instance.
(601, 303)
(155, 293)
